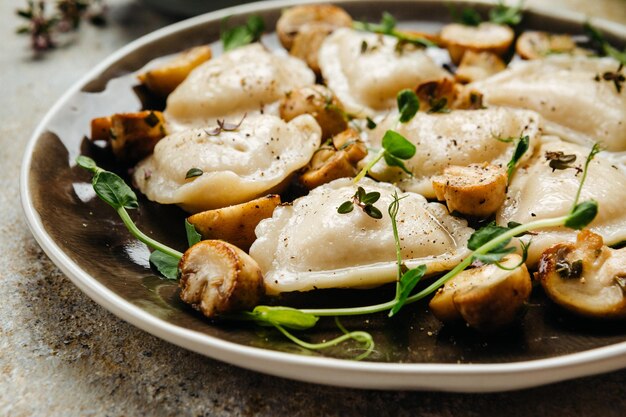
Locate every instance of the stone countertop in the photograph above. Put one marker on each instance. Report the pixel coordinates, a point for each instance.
(62, 354)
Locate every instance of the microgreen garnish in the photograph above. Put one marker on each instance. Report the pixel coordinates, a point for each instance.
(387, 26)
(115, 192)
(166, 264)
(595, 149)
(242, 35)
(500, 14)
(224, 126)
(395, 149)
(518, 152)
(613, 76)
(193, 172)
(193, 236)
(283, 318)
(506, 15)
(408, 105)
(559, 160)
(363, 200)
(601, 45)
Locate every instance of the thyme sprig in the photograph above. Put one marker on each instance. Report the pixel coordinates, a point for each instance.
(601, 45)
(500, 14)
(67, 16)
(363, 200)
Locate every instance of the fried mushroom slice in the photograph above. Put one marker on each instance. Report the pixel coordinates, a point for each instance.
(164, 79)
(487, 298)
(476, 66)
(537, 45)
(585, 277)
(486, 37)
(327, 165)
(131, 136)
(235, 224)
(217, 277)
(350, 142)
(294, 19)
(436, 96)
(319, 102)
(476, 190)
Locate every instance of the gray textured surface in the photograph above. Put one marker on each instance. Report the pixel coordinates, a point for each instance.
(61, 354)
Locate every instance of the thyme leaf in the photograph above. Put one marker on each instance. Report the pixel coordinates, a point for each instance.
(387, 26)
(193, 172)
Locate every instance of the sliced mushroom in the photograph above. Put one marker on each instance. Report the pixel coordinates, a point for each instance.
(585, 277)
(487, 298)
(235, 224)
(536, 45)
(476, 66)
(131, 136)
(307, 43)
(476, 190)
(293, 19)
(327, 165)
(319, 102)
(437, 96)
(217, 277)
(486, 37)
(165, 78)
(350, 142)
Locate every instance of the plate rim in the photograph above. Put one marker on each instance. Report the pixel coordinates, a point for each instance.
(464, 377)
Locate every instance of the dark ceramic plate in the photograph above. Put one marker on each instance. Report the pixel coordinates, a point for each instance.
(84, 237)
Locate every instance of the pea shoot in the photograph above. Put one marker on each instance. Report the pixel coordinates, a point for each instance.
(363, 200)
(242, 35)
(395, 147)
(387, 26)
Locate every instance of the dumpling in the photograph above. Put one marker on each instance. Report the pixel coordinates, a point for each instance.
(569, 92)
(244, 80)
(235, 166)
(308, 245)
(461, 137)
(366, 71)
(539, 192)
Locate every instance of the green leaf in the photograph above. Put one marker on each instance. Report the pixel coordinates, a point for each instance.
(371, 124)
(582, 215)
(87, 163)
(520, 150)
(408, 105)
(373, 212)
(469, 17)
(345, 207)
(113, 190)
(290, 318)
(493, 256)
(506, 15)
(392, 161)
(521, 262)
(242, 35)
(193, 236)
(193, 172)
(387, 23)
(486, 234)
(397, 145)
(602, 46)
(439, 106)
(370, 198)
(165, 264)
(407, 283)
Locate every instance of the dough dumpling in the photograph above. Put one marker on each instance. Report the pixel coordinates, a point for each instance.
(539, 192)
(461, 137)
(243, 81)
(569, 92)
(308, 245)
(366, 72)
(237, 166)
